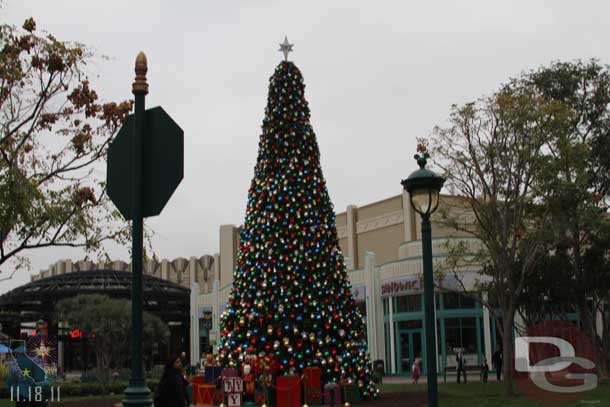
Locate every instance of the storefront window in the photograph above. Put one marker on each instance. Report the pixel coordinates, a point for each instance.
(457, 301)
(408, 303)
(386, 327)
(413, 324)
(482, 333)
(386, 310)
(461, 333)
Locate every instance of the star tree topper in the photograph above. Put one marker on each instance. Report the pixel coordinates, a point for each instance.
(286, 47)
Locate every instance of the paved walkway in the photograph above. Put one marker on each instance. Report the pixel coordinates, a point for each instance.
(451, 378)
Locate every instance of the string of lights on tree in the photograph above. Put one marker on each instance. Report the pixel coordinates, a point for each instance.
(291, 296)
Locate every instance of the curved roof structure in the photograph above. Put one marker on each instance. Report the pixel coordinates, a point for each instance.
(37, 299)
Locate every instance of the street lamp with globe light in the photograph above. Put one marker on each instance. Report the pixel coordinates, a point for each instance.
(424, 187)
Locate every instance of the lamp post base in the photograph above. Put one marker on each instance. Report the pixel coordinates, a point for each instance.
(137, 396)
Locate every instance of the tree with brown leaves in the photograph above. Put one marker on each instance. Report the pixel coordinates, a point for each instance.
(54, 134)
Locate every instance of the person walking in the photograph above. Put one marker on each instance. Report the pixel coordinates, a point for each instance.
(497, 363)
(416, 370)
(484, 370)
(171, 391)
(461, 366)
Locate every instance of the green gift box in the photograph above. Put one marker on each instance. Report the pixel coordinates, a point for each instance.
(351, 394)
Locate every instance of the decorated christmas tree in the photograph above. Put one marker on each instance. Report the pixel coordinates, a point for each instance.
(291, 296)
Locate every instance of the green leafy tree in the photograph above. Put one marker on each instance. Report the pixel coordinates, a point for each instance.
(53, 132)
(110, 320)
(576, 183)
(291, 295)
(492, 154)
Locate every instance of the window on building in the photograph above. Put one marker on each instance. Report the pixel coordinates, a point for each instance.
(461, 333)
(457, 301)
(412, 324)
(386, 310)
(386, 327)
(408, 303)
(482, 334)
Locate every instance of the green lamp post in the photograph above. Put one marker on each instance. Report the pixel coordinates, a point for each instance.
(424, 187)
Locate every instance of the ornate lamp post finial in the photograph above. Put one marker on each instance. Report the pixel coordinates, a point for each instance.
(286, 47)
(140, 86)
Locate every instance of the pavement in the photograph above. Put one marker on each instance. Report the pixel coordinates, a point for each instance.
(451, 378)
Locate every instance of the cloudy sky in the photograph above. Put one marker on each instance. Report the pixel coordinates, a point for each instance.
(378, 74)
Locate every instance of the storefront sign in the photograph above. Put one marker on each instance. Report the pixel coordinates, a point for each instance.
(359, 292)
(400, 286)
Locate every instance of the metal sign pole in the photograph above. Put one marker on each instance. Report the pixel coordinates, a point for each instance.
(137, 394)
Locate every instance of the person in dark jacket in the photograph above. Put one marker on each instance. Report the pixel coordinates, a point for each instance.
(172, 387)
(461, 366)
(497, 363)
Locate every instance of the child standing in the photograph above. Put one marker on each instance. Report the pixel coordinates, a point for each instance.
(416, 370)
(484, 370)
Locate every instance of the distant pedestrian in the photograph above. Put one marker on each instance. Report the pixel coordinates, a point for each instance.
(497, 363)
(484, 370)
(171, 391)
(416, 370)
(461, 366)
(185, 362)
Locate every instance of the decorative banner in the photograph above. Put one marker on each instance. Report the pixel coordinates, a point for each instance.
(359, 292)
(400, 286)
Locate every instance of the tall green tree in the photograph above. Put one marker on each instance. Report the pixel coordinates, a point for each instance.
(492, 154)
(576, 183)
(110, 320)
(291, 295)
(54, 130)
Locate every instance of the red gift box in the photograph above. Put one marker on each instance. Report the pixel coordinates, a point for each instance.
(312, 384)
(288, 391)
(332, 395)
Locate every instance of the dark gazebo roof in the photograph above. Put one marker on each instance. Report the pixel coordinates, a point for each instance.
(168, 300)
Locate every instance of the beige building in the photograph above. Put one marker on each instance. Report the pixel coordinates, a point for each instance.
(381, 242)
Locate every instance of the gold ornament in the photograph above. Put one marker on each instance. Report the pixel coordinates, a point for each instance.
(242, 321)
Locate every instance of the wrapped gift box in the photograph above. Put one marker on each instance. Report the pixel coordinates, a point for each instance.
(212, 375)
(332, 395)
(312, 385)
(288, 391)
(351, 393)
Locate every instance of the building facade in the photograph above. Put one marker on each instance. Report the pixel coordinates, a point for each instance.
(381, 242)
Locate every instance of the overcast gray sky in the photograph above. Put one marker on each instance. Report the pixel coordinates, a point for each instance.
(378, 74)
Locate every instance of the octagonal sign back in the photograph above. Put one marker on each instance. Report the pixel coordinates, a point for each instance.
(162, 163)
